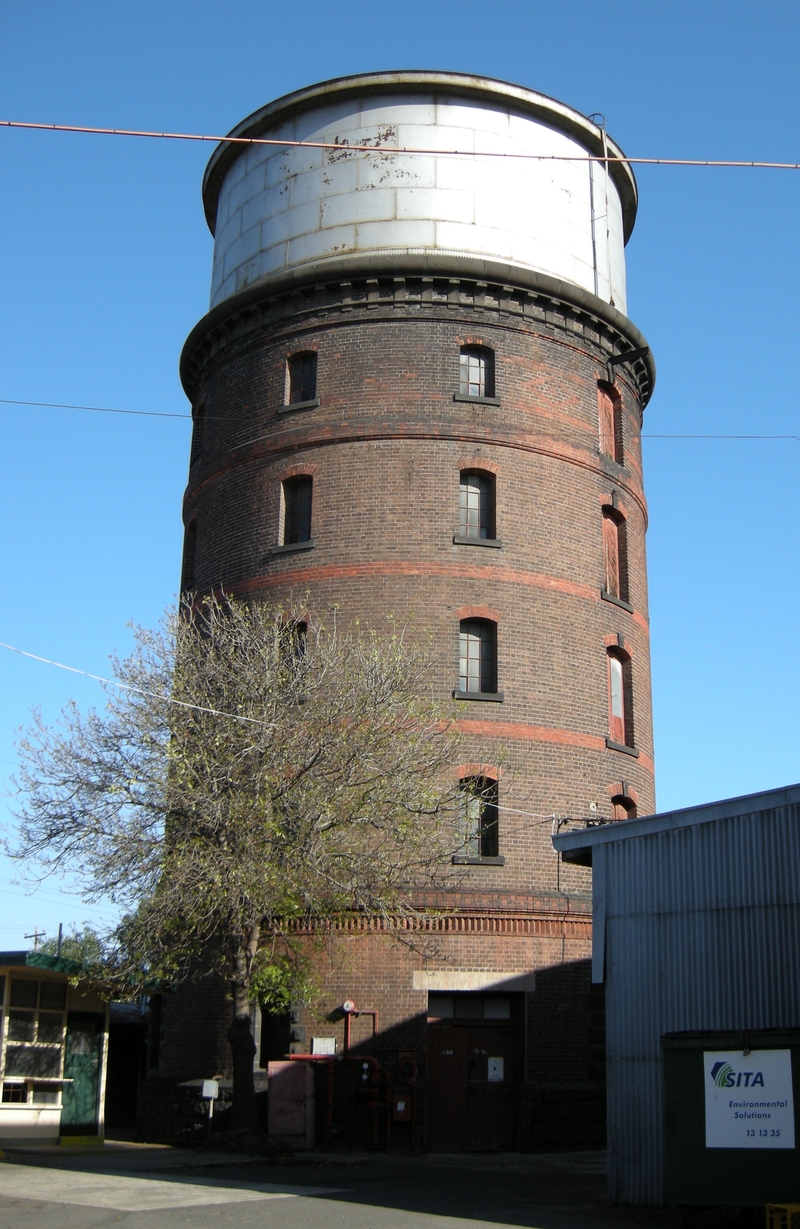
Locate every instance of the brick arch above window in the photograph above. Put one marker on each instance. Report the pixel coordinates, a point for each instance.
(297, 471)
(623, 789)
(477, 770)
(478, 465)
(478, 612)
(612, 501)
(619, 646)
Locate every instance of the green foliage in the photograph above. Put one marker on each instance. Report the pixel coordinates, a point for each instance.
(278, 980)
(84, 945)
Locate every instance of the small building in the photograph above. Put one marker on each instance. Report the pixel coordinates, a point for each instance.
(53, 1052)
(696, 930)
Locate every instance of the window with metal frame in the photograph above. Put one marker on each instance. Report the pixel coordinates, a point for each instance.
(476, 373)
(476, 510)
(477, 656)
(297, 494)
(302, 377)
(35, 1024)
(478, 816)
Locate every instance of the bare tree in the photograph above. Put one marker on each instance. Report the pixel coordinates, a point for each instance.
(255, 769)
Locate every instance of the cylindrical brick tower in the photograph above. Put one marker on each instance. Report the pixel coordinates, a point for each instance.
(417, 393)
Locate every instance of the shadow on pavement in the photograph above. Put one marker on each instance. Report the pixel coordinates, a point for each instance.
(558, 1191)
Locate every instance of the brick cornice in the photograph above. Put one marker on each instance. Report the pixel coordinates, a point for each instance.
(555, 308)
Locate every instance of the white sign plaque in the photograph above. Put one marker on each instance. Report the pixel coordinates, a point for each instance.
(749, 1102)
(323, 1045)
(495, 1075)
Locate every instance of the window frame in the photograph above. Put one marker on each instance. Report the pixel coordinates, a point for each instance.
(486, 384)
(21, 1089)
(485, 631)
(189, 556)
(479, 833)
(486, 532)
(299, 360)
(609, 412)
(620, 701)
(615, 547)
(294, 483)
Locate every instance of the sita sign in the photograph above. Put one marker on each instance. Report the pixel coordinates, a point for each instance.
(749, 1099)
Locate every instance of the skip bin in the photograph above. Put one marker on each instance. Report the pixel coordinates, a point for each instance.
(729, 1117)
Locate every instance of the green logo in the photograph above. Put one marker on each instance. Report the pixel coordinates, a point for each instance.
(720, 1073)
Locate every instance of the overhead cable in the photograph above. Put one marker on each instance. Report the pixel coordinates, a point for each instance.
(200, 708)
(340, 146)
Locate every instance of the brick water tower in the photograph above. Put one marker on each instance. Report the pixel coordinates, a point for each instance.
(417, 392)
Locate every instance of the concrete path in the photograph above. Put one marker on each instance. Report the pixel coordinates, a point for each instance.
(165, 1188)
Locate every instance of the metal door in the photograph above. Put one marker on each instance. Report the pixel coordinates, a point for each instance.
(490, 1114)
(470, 1088)
(448, 1062)
(82, 1065)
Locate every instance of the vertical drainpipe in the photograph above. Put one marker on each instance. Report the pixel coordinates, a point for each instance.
(590, 164)
(608, 230)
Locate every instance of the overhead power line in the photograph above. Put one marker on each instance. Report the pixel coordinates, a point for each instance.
(96, 409)
(142, 691)
(402, 149)
(106, 409)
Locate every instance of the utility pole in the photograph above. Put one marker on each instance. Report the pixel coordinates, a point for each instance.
(36, 936)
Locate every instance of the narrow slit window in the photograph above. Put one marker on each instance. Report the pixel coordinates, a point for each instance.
(198, 428)
(476, 372)
(478, 817)
(615, 554)
(189, 552)
(476, 505)
(297, 510)
(478, 656)
(620, 721)
(302, 378)
(610, 416)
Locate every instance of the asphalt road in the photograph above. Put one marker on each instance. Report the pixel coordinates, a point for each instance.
(148, 1188)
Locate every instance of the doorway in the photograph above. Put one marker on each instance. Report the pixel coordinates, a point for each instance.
(82, 1065)
(471, 1082)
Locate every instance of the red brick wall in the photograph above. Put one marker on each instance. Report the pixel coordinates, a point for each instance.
(385, 446)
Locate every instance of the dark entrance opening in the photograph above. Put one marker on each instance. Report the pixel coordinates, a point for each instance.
(473, 1046)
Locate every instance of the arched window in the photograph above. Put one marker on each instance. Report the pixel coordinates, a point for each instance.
(297, 510)
(476, 505)
(476, 372)
(610, 415)
(478, 817)
(620, 715)
(477, 656)
(615, 555)
(302, 378)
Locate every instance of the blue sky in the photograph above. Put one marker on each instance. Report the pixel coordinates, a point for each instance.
(105, 265)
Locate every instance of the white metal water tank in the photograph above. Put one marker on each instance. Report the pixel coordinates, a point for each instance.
(276, 208)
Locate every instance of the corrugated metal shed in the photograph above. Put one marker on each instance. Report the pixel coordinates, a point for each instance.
(696, 926)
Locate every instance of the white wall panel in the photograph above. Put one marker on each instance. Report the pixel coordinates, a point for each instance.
(313, 204)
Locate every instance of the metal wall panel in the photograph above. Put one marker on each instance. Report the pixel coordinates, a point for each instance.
(702, 932)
